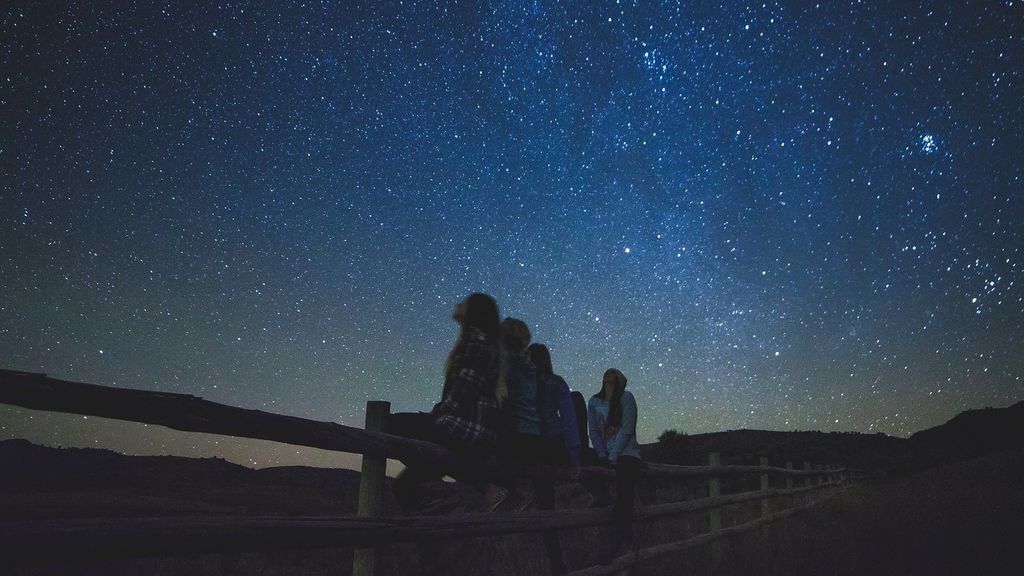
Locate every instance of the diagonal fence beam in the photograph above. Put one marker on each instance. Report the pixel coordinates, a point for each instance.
(194, 414)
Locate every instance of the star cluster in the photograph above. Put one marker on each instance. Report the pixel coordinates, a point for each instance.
(779, 215)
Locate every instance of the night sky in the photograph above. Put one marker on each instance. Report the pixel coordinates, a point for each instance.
(781, 216)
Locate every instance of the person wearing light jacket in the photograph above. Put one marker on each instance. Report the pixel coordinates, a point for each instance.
(611, 414)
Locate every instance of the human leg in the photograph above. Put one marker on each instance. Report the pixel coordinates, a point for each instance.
(554, 455)
(619, 536)
(407, 485)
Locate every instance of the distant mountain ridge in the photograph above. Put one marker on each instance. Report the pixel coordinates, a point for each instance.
(213, 485)
(38, 480)
(966, 435)
(975, 432)
(48, 484)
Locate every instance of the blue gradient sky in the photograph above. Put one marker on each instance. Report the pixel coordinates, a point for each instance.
(768, 215)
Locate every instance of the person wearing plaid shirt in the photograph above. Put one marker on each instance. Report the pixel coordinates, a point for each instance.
(467, 418)
(468, 412)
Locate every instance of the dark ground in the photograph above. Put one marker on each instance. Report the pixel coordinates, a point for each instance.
(962, 517)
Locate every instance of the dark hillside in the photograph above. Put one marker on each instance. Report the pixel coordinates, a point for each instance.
(967, 435)
(66, 482)
(973, 433)
(872, 453)
(922, 508)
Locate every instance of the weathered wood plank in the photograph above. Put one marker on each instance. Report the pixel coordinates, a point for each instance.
(628, 561)
(194, 414)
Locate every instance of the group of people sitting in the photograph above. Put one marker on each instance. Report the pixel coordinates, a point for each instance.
(502, 397)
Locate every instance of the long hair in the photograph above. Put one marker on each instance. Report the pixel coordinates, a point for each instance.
(480, 311)
(615, 402)
(541, 358)
(515, 334)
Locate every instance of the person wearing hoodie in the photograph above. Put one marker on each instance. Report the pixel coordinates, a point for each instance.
(612, 415)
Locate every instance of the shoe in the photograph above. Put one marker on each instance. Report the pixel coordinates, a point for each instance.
(495, 497)
(513, 502)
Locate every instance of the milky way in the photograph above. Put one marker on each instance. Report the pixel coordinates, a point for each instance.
(778, 216)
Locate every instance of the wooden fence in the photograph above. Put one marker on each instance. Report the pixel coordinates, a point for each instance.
(36, 541)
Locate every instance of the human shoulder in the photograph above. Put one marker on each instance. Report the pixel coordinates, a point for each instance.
(627, 396)
(471, 335)
(474, 343)
(528, 367)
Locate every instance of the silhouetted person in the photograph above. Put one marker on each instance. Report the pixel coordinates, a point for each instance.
(467, 418)
(580, 404)
(561, 435)
(612, 419)
(520, 439)
(597, 487)
(557, 411)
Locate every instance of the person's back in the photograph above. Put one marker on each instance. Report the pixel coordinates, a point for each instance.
(580, 404)
(521, 409)
(467, 417)
(558, 416)
(520, 439)
(468, 410)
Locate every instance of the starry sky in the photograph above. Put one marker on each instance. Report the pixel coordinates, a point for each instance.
(773, 215)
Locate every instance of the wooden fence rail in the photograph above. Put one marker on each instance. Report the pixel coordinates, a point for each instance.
(193, 414)
(35, 541)
(629, 560)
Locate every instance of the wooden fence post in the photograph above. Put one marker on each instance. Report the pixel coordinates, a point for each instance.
(371, 487)
(766, 509)
(714, 491)
(807, 479)
(789, 479)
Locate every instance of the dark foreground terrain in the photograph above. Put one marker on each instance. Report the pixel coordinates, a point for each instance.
(961, 518)
(947, 501)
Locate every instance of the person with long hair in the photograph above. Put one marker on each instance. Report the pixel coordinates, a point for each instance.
(467, 417)
(612, 419)
(561, 440)
(520, 439)
(557, 412)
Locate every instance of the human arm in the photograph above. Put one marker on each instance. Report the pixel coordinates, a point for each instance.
(626, 431)
(567, 418)
(596, 433)
(468, 411)
(466, 380)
